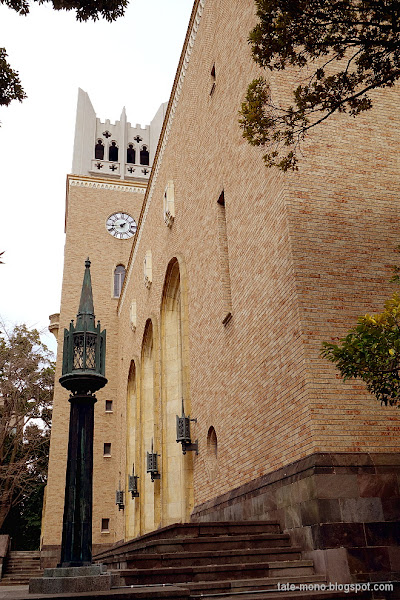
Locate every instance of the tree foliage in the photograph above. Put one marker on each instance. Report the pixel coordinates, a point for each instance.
(10, 84)
(371, 352)
(26, 390)
(343, 49)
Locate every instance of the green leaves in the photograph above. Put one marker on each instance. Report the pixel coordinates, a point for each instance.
(349, 46)
(26, 392)
(10, 85)
(371, 352)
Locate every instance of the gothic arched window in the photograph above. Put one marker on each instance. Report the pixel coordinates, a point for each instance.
(119, 276)
(130, 154)
(99, 150)
(144, 156)
(113, 152)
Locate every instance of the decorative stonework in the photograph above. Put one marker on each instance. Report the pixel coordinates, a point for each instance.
(133, 315)
(148, 269)
(156, 165)
(169, 204)
(106, 186)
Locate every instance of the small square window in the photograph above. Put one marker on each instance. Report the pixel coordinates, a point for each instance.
(109, 405)
(105, 525)
(107, 449)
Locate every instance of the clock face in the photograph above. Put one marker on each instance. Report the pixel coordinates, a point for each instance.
(121, 225)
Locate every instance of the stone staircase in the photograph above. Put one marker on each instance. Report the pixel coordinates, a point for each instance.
(20, 567)
(226, 558)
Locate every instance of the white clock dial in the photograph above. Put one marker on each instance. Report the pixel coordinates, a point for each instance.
(121, 225)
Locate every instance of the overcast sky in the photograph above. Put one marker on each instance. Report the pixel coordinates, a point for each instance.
(130, 63)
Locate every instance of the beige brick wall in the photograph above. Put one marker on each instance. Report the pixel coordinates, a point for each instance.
(307, 251)
(260, 381)
(86, 235)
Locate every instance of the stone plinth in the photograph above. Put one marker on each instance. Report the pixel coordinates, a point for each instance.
(93, 578)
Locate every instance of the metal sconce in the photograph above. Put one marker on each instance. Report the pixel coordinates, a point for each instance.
(152, 466)
(183, 433)
(133, 484)
(119, 498)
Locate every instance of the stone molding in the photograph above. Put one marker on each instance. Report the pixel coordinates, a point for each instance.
(100, 185)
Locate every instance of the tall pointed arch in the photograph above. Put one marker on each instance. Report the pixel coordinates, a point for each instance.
(150, 500)
(177, 482)
(133, 449)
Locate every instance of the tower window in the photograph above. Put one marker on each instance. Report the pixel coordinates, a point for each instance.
(113, 152)
(99, 150)
(144, 156)
(107, 449)
(119, 276)
(130, 154)
(109, 405)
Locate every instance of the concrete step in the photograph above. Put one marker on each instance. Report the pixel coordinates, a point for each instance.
(136, 593)
(205, 543)
(23, 565)
(202, 588)
(215, 572)
(24, 554)
(196, 530)
(222, 557)
(295, 595)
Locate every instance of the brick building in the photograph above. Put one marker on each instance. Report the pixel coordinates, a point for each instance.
(234, 278)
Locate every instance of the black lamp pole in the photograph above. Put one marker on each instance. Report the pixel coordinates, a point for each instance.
(83, 374)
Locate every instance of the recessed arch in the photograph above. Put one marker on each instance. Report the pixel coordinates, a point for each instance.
(132, 516)
(99, 150)
(144, 155)
(177, 482)
(149, 519)
(113, 151)
(212, 443)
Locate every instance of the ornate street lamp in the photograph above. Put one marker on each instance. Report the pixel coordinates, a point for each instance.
(83, 373)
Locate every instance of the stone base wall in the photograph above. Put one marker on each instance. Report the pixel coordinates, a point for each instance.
(343, 509)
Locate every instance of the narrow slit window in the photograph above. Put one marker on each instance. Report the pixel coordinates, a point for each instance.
(213, 79)
(107, 449)
(109, 405)
(224, 259)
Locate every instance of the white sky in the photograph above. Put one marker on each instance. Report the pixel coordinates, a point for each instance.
(132, 63)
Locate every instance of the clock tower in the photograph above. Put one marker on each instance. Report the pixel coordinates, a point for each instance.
(105, 191)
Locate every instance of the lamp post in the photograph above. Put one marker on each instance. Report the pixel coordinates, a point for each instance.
(83, 373)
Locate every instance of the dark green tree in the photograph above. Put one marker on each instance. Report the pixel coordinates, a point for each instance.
(10, 84)
(342, 49)
(26, 391)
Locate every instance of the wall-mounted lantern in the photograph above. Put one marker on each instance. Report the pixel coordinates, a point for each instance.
(152, 466)
(133, 484)
(183, 433)
(119, 498)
